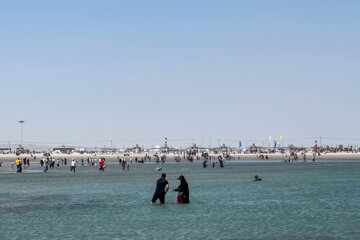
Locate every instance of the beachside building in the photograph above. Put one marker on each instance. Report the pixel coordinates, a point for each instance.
(221, 149)
(64, 149)
(225, 149)
(164, 149)
(80, 150)
(136, 149)
(109, 150)
(193, 150)
(21, 150)
(5, 150)
(161, 149)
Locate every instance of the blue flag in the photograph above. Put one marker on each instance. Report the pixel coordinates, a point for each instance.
(239, 143)
(274, 143)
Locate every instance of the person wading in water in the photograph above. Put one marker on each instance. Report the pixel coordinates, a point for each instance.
(162, 187)
(183, 189)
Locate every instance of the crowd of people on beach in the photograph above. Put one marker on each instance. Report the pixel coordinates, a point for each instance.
(293, 156)
(48, 163)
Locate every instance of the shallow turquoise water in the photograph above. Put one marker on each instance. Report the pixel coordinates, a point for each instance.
(294, 201)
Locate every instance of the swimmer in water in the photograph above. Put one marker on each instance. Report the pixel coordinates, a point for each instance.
(257, 178)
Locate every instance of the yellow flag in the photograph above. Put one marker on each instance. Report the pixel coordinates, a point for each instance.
(281, 138)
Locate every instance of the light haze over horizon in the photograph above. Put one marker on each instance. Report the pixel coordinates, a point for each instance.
(84, 72)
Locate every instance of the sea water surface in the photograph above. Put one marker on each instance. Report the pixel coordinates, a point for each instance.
(318, 200)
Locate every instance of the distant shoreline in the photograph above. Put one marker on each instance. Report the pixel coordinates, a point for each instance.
(170, 157)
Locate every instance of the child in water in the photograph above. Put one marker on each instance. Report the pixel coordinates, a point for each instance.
(179, 199)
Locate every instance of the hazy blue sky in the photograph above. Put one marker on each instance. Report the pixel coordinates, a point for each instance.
(86, 71)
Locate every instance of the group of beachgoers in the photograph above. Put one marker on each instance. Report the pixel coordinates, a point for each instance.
(20, 164)
(220, 161)
(293, 156)
(49, 163)
(162, 187)
(91, 162)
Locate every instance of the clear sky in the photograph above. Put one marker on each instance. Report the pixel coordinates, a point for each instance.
(134, 71)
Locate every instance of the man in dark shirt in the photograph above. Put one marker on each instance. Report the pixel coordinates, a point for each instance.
(183, 189)
(162, 186)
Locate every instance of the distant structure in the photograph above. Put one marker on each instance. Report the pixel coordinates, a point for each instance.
(193, 150)
(109, 150)
(5, 150)
(165, 148)
(64, 149)
(136, 149)
(21, 150)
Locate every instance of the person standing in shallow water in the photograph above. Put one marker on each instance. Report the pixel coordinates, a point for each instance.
(162, 187)
(102, 164)
(18, 165)
(183, 189)
(221, 161)
(123, 164)
(204, 163)
(73, 165)
(46, 165)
